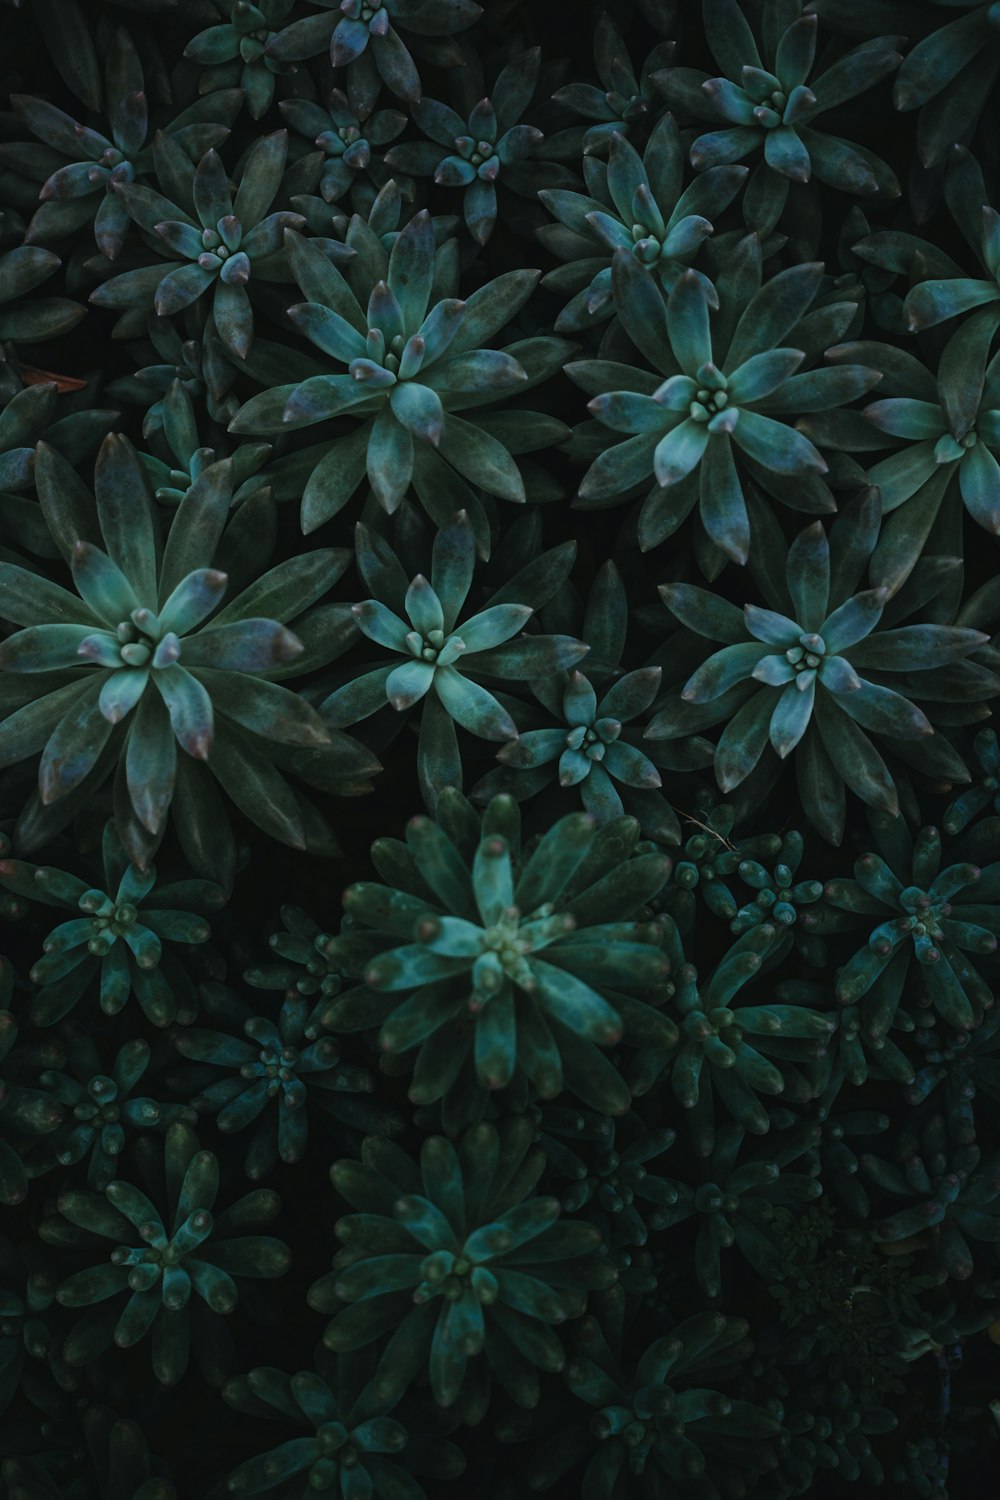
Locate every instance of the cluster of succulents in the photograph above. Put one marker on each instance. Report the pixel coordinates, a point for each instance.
(499, 795)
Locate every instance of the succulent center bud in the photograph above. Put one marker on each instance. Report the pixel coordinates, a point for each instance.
(807, 655)
(141, 643)
(687, 874)
(252, 45)
(429, 647)
(707, 404)
(770, 112)
(109, 922)
(722, 1022)
(922, 922)
(278, 1066)
(148, 1264)
(504, 940)
(333, 1439)
(394, 353)
(455, 1277)
(222, 251)
(646, 246)
(641, 1426)
(100, 1102)
(592, 740)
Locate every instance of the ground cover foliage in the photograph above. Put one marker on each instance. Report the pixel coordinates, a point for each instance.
(499, 812)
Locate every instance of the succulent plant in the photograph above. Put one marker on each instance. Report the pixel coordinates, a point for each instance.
(770, 99)
(811, 674)
(724, 385)
(483, 146)
(736, 1198)
(126, 1470)
(275, 1077)
(952, 1195)
(27, 1335)
(985, 791)
(842, 1133)
(26, 1112)
(591, 745)
(653, 1044)
(100, 1110)
(826, 1427)
(781, 899)
(301, 964)
(233, 53)
(29, 415)
(940, 298)
(437, 658)
(350, 1431)
(187, 457)
(32, 320)
(458, 1258)
(648, 1420)
(190, 354)
(385, 213)
(95, 679)
(411, 354)
(946, 431)
(82, 167)
(707, 862)
(928, 918)
(730, 1053)
(461, 937)
(588, 750)
(352, 139)
(947, 73)
(854, 1053)
(639, 204)
(612, 1181)
(115, 936)
(215, 241)
(364, 36)
(175, 1266)
(626, 103)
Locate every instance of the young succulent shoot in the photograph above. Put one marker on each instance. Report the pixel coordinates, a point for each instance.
(627, 102)
(730, 1052)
